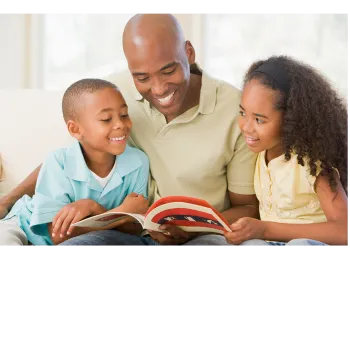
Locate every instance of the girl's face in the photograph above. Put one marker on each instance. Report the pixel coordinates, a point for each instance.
(259, 121)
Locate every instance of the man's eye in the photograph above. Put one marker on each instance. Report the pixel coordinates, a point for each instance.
(169, 72)
(259, 121)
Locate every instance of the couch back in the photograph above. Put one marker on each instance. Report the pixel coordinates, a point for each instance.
(31, 125)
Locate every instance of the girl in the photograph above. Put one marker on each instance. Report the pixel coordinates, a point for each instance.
(297, 123)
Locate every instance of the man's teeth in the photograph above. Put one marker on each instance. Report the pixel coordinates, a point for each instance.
(117, 138)
(250, 139)
(166, 99)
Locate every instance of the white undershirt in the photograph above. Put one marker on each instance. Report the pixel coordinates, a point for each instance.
(103, 180)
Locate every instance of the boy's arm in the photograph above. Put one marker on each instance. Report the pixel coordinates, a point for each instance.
(27, 186)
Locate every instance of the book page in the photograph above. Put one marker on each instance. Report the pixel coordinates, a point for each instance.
(108, 218)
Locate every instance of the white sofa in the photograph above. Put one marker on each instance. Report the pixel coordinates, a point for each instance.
(31, 125)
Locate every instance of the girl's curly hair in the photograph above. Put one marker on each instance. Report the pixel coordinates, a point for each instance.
(314, 120)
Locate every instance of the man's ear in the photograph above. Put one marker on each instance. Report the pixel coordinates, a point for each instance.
(190, 52)
(74, 129)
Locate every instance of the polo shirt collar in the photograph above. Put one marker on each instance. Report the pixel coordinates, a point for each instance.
(76, 169)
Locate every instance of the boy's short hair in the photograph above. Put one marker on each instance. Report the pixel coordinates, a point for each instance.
(76, 90)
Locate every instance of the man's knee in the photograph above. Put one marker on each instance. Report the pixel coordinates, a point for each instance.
(106, 237)
(304, 241)
(208, 240)
(254, 243)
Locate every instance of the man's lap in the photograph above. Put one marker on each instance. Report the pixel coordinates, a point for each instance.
(112, 237)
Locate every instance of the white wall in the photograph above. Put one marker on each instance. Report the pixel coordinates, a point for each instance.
(13, 46)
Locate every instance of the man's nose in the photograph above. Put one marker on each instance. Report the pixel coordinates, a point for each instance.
(159, 87)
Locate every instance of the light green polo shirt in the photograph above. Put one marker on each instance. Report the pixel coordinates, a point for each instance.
(201, 153)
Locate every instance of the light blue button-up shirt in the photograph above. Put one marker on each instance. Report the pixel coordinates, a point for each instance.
(65, 178)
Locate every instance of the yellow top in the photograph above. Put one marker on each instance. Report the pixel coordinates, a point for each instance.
(201, 153)
(285, 190)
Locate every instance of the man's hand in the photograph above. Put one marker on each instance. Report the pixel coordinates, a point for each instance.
(244, 229)
(173, 235)
(72, 213)
(3, 210)
(134, 203)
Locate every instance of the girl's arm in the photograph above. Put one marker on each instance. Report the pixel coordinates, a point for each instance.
(334, 231)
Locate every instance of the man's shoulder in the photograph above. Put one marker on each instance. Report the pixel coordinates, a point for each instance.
(226, 94)
(226, 89)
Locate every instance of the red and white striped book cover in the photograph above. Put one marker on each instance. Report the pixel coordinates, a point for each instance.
(189, 213)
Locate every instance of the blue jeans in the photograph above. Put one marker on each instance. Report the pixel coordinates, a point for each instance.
(112, 237)
(299, 241)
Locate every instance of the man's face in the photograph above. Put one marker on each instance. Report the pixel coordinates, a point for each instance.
(161, 74)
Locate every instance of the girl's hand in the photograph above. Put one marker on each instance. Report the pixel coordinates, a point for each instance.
(244, 229)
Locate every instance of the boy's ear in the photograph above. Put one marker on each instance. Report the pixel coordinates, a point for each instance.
(74, 129)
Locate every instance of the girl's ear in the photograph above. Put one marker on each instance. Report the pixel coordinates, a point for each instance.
(74, 129)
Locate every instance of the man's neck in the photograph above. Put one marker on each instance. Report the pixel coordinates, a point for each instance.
(193, 95)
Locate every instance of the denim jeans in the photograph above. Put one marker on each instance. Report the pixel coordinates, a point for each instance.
(299, 241)
(112, 237)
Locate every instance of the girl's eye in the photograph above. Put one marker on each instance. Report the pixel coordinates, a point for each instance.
(242, 113)
(106, 120)
(259, 121)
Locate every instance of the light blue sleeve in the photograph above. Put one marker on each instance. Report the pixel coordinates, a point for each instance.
(53, 191)
(140, 182)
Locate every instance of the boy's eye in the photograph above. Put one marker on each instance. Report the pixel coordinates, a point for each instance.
(259, 121)
(142, 80)
(242, 113)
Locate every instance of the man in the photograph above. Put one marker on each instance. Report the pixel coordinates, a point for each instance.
(185, 121)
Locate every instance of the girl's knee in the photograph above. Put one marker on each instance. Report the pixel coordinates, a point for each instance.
(304, 241)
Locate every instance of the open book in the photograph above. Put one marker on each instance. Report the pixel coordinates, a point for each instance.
(189, 213)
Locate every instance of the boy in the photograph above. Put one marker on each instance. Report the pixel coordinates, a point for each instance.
(97, 173)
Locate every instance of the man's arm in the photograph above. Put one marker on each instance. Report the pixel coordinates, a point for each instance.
(27, 186)
(242, 206)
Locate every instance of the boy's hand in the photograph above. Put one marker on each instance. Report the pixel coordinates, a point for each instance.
(134, 203)
(72, 213)
(245, 229)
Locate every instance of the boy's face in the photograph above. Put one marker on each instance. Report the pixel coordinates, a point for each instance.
(259, 121)
(103, 120)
